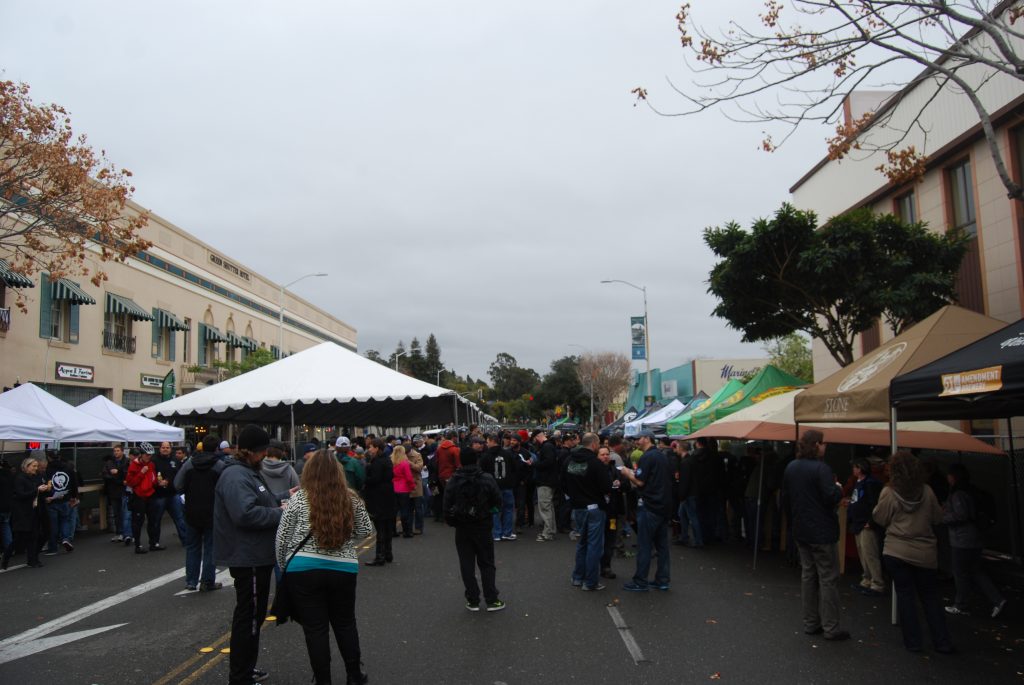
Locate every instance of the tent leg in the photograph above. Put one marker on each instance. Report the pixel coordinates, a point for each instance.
(893, 423)
(757, 515)
(1015, 541)
(295, 445)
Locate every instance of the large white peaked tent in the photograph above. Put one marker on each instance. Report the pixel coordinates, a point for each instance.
(135, 428)
(327, 385)
(21, 427)
(69, 424)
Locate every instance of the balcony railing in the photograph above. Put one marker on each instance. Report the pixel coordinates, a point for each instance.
(5, 319)
(193, 377)
(118, 343)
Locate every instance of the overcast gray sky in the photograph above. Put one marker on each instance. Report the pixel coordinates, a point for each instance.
(464, 168)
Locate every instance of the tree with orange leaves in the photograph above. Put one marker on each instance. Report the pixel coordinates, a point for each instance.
(798, 62)
(63, 206)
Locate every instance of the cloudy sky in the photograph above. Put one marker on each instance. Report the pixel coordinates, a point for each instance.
(463, 168)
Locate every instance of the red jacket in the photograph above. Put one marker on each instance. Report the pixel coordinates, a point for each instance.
(447, 460)
(142, 484)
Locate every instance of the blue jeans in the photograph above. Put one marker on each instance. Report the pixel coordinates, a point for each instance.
(419, 511)
(652, 533)
(504, 519)
(199, 555)
(126, 517)
(173, 507)
(911, 583)
(687, 519)
(60, 524)
(590, 546)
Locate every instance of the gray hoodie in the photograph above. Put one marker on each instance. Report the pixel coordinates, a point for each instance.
(279, 475)
(245, 518)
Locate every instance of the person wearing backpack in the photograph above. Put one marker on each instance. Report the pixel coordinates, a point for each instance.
(197, 479)
(470, 498)
(967, 510)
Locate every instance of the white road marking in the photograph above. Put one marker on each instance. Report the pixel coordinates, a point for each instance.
(23, 649)
(627, 637)
(14, 568)
(8, 645)
(222, 577)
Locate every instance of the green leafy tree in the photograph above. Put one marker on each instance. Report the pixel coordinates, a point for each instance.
(374, 356)
(561, 386)
(509, 379)
(786, 274)
(417, 364)
(399, 356)
(254, 360)
(792, 354)
(432, 359)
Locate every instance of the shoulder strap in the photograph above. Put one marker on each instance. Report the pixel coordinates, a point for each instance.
(296, 550)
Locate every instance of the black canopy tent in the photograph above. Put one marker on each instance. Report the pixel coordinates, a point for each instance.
(616, 425)
(982, 380)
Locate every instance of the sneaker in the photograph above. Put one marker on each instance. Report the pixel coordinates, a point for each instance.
(660, 586)
(592, 588)
(68, 547)
(634, 587)
(128, 540)
(498, 539)
(574, 535)
(998, 609)
(496, 605)
(49, 553)
(259, 674)
(509, 537)
(157, 548)
(190, 588)
(117, 538)
(543, 538)
(210, 587)
(140, 550)
(954, 611)
(576, 583)
(473, 606)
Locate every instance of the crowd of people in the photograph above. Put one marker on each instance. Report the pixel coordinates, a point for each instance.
(247, 508)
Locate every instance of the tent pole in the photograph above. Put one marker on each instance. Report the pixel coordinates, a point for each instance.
(757, 516)
(295, 446)
(892, 447)
(1015, 541)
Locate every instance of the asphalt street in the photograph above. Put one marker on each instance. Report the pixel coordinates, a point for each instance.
(102, 615)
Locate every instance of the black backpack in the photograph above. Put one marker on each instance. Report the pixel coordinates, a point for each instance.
(468, 502)
(984, 508)
(200, 491)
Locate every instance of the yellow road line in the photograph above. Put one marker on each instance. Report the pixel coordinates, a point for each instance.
(189, 662)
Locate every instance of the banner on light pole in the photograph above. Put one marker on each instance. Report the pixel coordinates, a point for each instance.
(638, 335)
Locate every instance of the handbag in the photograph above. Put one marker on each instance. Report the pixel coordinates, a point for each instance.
(282, 605)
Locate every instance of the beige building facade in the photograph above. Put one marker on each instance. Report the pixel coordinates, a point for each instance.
(180, 306)
(961, 187)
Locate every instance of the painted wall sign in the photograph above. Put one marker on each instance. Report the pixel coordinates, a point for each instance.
(148, 381)
(75, 372)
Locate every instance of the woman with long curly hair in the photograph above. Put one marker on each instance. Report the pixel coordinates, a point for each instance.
(907, 509)
(323, 520)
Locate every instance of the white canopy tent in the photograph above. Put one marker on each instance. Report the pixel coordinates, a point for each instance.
(24, 428)
(660, 416)
(135, 428)
(68, 424)
(325, 385)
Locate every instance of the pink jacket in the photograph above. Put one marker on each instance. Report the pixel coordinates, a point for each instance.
(402, 479)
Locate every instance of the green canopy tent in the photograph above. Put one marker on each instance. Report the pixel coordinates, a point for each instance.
(681, 425)
(768, 382)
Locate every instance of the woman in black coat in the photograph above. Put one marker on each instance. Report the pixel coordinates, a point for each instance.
(379, 495)
(28, 510)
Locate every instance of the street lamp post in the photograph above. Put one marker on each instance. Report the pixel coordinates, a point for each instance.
(398, 356)
(280, 313)
(647, 329)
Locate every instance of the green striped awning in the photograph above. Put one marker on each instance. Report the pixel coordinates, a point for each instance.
(164, 319)
(235, 340)
(63, 289)
(117, 304)
(250, 344)
(13, 279)
(212, 333)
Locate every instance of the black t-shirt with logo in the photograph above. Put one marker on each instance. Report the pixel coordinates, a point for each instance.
(653, 470)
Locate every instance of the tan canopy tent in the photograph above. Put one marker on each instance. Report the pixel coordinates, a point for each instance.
(860, 391)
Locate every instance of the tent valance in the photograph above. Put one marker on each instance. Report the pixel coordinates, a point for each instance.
(63, 289)
(13, 279)
(164, 319)
(118, 304)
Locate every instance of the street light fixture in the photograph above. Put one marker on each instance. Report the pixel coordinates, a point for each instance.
(280, 313)
(647, 329)
(398, 356)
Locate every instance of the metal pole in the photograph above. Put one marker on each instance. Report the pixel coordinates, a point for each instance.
(280, 324)
(647, 342)
(757, 516)
(1015, 536)
(295, 445)
(894, 610)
